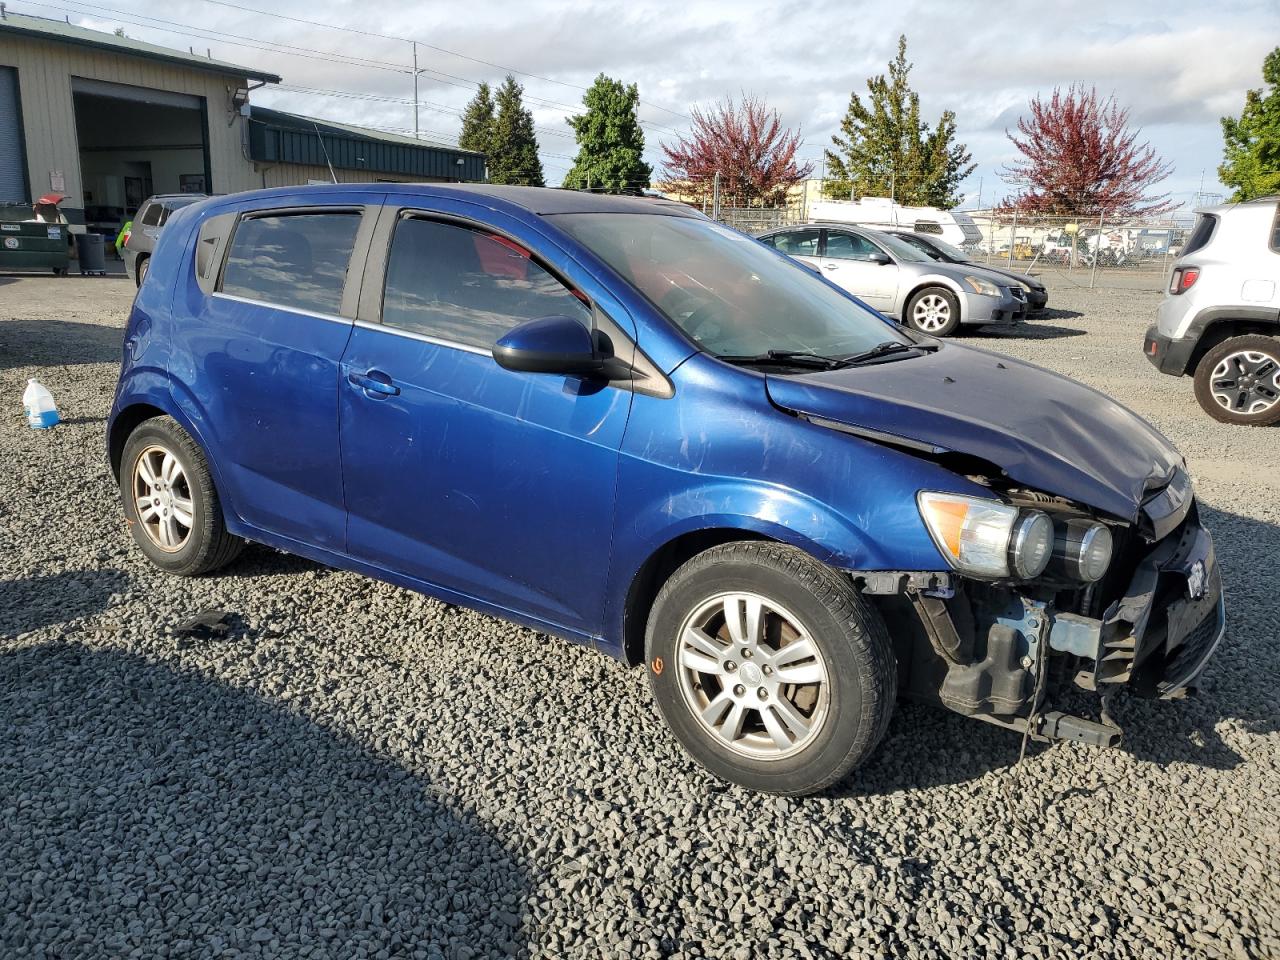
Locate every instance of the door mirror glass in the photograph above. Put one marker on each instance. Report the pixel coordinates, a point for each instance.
(549, 345)
(879, 256)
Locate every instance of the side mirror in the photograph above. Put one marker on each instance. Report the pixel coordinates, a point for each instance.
(879, 257)
(549, 345)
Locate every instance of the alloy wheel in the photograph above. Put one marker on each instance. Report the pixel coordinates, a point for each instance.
(753, 676)
(162, 498)
(1246, 382)
(931, 313)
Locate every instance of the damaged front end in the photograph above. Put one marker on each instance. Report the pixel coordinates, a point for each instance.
(1003, 650)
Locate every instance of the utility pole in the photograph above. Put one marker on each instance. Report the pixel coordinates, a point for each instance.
(415, 89)
(715, 197)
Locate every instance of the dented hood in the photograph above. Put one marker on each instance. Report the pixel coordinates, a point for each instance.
(1043, 430)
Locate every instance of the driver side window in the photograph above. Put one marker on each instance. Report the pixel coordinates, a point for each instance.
(468, 286)
(849, 246)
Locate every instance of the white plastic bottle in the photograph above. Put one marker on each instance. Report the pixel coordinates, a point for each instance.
(38, 405)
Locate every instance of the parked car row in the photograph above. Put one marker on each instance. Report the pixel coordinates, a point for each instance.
(917, 280)
(620, 422)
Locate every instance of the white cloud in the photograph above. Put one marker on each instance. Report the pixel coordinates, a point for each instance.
(1177, 69)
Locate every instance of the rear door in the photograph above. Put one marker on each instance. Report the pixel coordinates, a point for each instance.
(802, 243)
(263, 349)
(494, 484)
(845, 262)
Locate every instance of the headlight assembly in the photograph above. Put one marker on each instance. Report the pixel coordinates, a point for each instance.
(1082, 550)
(983, 286)
(987, 538)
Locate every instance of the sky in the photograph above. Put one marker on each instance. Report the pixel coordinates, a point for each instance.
(1177, 66)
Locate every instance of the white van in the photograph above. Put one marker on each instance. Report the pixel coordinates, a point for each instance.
(950, 225)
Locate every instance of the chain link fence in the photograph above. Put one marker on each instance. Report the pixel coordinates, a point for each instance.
(1135, 253)
(1093, 251)
(754, 220)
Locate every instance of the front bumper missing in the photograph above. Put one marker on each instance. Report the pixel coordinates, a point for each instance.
(1153, 641)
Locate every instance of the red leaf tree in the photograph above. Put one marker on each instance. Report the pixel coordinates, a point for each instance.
(1081, 159)
(746, 144)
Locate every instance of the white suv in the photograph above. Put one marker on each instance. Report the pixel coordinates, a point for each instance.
(1220, 320)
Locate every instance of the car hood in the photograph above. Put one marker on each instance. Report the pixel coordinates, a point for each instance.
(1026, 278)
(1043, 430)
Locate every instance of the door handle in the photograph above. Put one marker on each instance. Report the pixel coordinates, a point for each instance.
(375, 384)
(830, 266)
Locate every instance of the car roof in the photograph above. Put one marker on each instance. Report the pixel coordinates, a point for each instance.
(543, 201)
(822, 225)
(1222, 208)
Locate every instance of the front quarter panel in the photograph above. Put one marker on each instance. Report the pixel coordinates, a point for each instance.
(718, 455)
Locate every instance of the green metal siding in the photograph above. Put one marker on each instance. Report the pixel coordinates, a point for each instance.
(272, 143)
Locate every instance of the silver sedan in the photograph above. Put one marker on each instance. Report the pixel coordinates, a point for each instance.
(899, 280)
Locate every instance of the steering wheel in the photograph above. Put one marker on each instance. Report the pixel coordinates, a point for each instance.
(699, 318)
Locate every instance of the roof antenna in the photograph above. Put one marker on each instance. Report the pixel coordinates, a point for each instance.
(329, 162)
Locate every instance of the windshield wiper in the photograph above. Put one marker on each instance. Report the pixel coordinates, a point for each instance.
(801, 358)
(885, 349)
(794, 358)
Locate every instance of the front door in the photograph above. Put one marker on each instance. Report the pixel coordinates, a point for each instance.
(494, 484)
(846, 262)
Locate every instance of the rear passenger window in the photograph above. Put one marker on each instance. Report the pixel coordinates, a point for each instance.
(1201, 233)
(798, 243)
(151, 215)
(292, 260)
(467, 286)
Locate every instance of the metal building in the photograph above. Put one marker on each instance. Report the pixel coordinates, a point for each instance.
(109, 120)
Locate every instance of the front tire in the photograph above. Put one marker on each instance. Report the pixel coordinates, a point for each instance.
(935, 311)
(769, 668)
(143, 266)
(1238, 381)
(170, 503)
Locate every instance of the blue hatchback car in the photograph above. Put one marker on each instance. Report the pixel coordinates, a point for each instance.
(614, 420)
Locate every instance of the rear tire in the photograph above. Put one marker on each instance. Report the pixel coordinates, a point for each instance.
(769, 668)
(170, 503)
(933, 310)
(1238, 381)
(143, 266)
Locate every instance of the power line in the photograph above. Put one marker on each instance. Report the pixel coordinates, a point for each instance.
(429, 46)
(430, 105)
(294, 50)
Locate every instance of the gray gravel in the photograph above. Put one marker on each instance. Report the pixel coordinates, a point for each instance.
(354, 770)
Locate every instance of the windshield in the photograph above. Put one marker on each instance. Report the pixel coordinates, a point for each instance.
(731, 294)
(950, 251)
(899, 247)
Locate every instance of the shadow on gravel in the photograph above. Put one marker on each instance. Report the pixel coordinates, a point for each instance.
(34, 343)
(155, 811)
(1033, 330)
(34, 602)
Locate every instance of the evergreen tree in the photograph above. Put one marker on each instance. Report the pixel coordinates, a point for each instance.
(1251, 144)
(884, 149)
(610, 141)
(513, 150)
(477, 122)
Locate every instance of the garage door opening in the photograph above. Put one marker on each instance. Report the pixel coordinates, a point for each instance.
(135, 142)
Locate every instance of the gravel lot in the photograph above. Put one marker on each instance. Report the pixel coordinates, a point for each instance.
(354, 770)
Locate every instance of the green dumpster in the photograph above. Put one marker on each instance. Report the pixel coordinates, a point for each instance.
(30, 244)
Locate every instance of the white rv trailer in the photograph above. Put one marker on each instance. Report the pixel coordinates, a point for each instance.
(950, 225)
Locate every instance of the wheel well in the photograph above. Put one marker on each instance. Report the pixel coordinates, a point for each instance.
(1221, 330)
(137, 267)
(655, 571)
(906, 301)
(126, 422)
